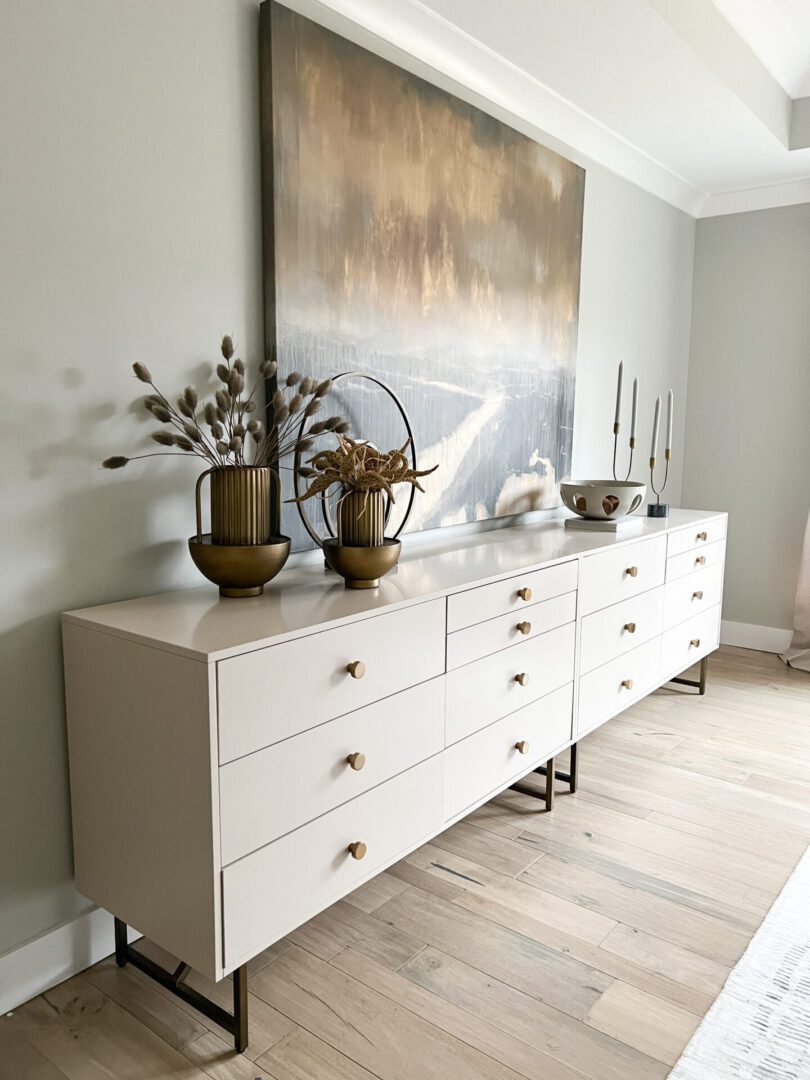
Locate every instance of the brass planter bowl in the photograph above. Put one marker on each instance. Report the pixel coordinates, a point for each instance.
(361, 567)
(239, 569)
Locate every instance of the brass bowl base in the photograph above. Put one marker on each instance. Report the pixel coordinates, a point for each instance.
(361, 567)
(239, 569)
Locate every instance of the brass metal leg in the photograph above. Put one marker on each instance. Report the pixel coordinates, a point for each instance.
(551, 774)
(572, 770)
(700, 682)
(236, 1023)
(550, 784)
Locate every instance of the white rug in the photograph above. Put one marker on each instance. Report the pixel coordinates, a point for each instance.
(759, 1027)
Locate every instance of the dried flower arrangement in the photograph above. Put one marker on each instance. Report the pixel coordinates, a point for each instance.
(220, 431)
(357, 466)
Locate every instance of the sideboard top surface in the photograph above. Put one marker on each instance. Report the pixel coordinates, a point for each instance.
(198, 624)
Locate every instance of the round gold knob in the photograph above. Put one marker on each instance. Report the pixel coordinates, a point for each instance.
(702, 536)
(524, 627)
(522, 678)
(697, 595)
(357, 761)
(522, 747)
(525, 594)
(630, 627)
(356, 669)
(627, 684)
(358, 849)
(632, 571)
(700, 560)
(695, 642)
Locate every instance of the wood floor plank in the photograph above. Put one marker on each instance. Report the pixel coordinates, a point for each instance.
(430, 883)
(560, 1036)
(19, 1060)
(368, 1027)
(343, 925)
(375, 892)
(482, 1033)
(653, 1026)
(558, 980)
(497, 853)
(667, 960)
(553, 910)
(220, 1061)
(303, 1056)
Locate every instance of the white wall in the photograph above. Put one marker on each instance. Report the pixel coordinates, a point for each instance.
(129, 230)
(748, 435)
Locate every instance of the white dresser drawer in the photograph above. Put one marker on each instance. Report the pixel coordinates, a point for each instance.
(690, 641)
(275, 889)
(693, 594)
(609, 689)
(510, 595)
(490, 688)
(488, 760)
(484, 638)
(696, 536)
(690, 561)
(269, 793)
(619, 628)
(270, 694)
(613, 575)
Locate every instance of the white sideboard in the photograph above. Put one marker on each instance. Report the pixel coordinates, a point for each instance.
(238, 765)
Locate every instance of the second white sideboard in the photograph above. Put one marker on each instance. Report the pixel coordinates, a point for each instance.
(238, 765)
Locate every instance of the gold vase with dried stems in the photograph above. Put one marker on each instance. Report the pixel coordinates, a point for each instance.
(244, 548)
(365, 477)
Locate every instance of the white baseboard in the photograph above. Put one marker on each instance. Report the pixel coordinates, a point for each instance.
(771, 639)
(48, 960)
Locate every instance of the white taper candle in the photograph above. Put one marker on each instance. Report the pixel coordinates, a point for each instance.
(619, 391)
(670, 407)
(656, 422)
(635, 410)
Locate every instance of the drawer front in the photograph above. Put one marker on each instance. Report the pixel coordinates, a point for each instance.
(268, 893)
(693, 594)
(690, 641)
(269, 793)
(270, 694)
(488, 637)
(504, 597)
(481, 693)
(489, 760)
(603, 693)
(696, 537)
(616, 630)
(690, 561)
(614, 575)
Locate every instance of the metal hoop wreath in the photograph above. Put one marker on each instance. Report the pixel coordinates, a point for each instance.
(327, 516)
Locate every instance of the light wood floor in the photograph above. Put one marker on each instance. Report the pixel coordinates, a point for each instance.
(585, 943)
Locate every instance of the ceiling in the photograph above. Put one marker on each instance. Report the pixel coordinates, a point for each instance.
(691, 99)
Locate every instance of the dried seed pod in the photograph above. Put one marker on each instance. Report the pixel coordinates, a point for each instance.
(253, 425)
(210, 413)
(222, 447)
(293, 378)
(250, 406)
(223, 400)
(239, 429)
(115, 462)
(278, 399)
(295, 404)
(165, 438)
(184, 408)
(280, 415)
(223, 371)
(222, 415)
(161, 413)
(142, 373)
(184, 444)
(192, 432)
(313, 406)
(317, 428)
(307, 386)
(190, 395)
(343, 427)
(256, 436)
(217, 430)
(268, 368)
(235, 444)
(323, 388)
(239, 365)
(236, 383)
(227, 346)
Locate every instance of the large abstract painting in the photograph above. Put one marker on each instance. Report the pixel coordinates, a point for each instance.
(418, 238)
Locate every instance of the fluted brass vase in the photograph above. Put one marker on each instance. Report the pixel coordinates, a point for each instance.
(361, 518)
(244, 549)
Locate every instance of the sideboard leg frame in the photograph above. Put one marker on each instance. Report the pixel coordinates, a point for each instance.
(235, 1023)
(551, 774)
(700, 682)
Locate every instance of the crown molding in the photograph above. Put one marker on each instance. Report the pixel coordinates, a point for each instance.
(790, 193)
(417, 39)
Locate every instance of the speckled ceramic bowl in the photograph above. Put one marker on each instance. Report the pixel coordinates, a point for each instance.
(602, 500)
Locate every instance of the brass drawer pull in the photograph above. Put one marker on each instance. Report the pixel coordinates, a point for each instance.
(630, 627)
(525, 594)
(356, 669)
(702, 536)
(356, 760)
(632, 571)
(522, 747)
(522, 679)
(695, 642)
(358, 849)
(627, 684)
(697, 595)
(700, 560)
(524, 627)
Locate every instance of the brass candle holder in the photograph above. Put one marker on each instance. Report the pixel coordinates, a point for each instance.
(659, 509)
(616, 428)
